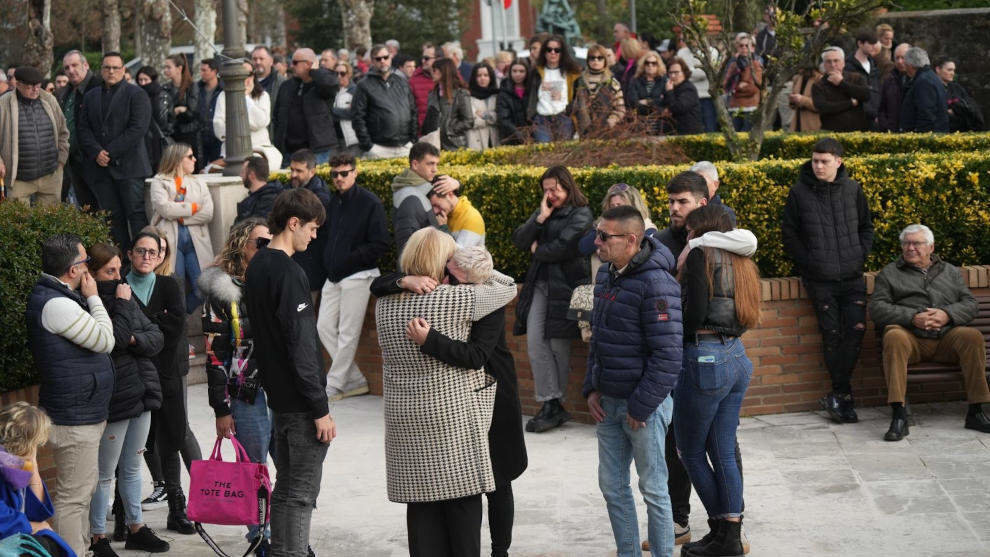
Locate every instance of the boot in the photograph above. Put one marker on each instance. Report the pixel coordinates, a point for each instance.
(713, 526)
(726, 543)
(177, 519)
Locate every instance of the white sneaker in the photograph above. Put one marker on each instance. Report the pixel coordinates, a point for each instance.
(334, 394)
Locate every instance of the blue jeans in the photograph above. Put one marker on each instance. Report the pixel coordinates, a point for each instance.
(618, 446)
(706, 414)
(187, 267)
(121, 444)
(558, 127)
(708, 115)
(253, 424)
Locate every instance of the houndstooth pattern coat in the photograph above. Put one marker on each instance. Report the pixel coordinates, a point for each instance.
(437, 416)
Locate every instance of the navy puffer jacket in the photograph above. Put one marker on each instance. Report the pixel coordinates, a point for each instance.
(636, 334)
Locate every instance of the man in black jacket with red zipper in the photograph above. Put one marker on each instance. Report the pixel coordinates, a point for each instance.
(827, 230)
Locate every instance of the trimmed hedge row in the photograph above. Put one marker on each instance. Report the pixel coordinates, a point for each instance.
(950, 192)
(21, 235)
(776, 145)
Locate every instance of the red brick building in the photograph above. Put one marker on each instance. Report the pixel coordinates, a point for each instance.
(493, 27)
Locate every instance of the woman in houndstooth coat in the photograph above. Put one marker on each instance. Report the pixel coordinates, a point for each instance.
(437, 416)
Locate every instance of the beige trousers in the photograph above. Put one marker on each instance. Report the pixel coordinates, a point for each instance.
(48, 188)
(960, 345)
(77, 451)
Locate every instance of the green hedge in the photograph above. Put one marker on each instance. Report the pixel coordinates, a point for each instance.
(21, 234)
(776, 145)
(949, 192)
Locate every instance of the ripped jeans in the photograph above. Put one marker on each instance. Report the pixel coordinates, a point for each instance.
(123, 443)
(841, 310)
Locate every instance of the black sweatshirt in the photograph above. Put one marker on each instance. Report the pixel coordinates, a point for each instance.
(284, 326)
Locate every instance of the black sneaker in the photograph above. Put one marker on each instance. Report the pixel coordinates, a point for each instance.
(847, 409)
(145, 539)
(310, 552)
(157, 499)
(978, 422)
(101, 548)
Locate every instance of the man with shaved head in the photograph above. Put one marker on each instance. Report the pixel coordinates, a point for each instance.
(892, 92)
(301, 119)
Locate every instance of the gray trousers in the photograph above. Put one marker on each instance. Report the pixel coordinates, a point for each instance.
(549, 358)
(298, 470)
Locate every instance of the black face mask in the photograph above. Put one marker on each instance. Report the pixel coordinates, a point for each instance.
(107, 287)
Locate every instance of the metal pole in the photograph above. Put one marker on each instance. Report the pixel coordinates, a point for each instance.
(238, 141)
(632, 17)
(491, 5)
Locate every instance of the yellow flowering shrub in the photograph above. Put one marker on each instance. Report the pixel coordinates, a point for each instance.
(949, 192)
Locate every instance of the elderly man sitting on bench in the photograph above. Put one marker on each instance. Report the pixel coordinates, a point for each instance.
(921, 304)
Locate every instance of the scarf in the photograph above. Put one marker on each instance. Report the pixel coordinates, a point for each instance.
(482, 93)
(141, 285)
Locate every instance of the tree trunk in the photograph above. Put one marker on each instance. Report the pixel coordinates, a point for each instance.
(111, 25)
(138, 25)
(356, 16)
(242, 19)
(602, 29)
(156, 32)
(38, 46)
(206, 22)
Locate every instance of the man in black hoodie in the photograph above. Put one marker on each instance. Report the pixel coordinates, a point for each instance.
(261, 193)
(827, 230)
(284, 327)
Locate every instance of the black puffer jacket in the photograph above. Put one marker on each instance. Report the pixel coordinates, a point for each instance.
(827, 227)
(36, 140)
(231, 369)
(556, 262)
(685, 108)
(384, 111)
(136, 388)
(511, 112)
(316, 103)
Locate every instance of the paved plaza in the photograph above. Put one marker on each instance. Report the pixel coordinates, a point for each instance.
(812, 488)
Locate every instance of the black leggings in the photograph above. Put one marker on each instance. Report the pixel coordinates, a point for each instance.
(449, 528)
(501, 513)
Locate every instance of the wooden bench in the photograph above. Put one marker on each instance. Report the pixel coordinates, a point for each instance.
(933, 371)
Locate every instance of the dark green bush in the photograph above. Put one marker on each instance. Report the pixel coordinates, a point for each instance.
(22, 229)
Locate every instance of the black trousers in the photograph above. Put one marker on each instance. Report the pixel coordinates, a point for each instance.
(501, 513)
(678, 482)
(449, 528)
(841, 310)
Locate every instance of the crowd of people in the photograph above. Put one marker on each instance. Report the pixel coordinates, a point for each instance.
(662, 311)
(666, 375)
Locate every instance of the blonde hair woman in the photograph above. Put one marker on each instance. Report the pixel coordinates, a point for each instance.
(437, 415)
(645, 91)
(598, 102)
(182, 210)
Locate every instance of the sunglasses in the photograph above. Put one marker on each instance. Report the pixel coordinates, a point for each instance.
(553, 50)
(651, 63)
(340, 173)
(261, 242)
(593, 58)
(604, 236)
(426, 58)
(342, 74)
(618, 187)
(294, 62)
(381, 58)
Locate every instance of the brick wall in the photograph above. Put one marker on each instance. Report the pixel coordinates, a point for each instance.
(786, 352)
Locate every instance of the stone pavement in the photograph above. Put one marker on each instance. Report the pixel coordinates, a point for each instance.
(812, 488)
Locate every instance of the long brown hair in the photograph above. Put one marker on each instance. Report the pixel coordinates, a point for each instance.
(100, 254)
(450, 79)
(745, 275)
(180, 60)
(563, 176)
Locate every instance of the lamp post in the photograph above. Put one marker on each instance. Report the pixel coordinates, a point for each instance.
(238, 140)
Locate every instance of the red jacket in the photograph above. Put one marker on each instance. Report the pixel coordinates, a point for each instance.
(421, 84)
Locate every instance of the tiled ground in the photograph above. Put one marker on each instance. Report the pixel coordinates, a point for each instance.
(812, 488)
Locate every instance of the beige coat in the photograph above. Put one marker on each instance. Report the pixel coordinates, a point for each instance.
(482, 135)
(8, 130)
(805, 108)
(166, 212)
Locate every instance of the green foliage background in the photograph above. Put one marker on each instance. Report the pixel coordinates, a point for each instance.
(21, 233)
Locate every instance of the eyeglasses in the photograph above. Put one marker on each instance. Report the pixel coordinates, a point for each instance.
(382, 58)
(261, 242)
(340, 173)
(146, 253)
(80, 262)
(427, 58)
(674, 72)
(651, 63)
(553, 50)
(913, 244)
(113, 68)
(604, 236)
(594, 58)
